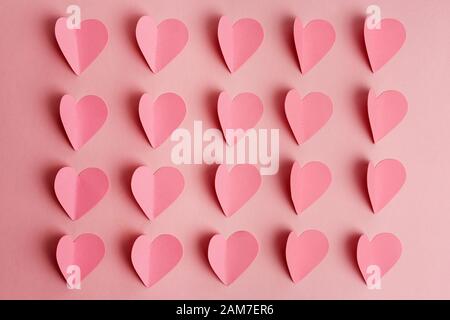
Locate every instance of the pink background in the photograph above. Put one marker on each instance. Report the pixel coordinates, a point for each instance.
(34, 76)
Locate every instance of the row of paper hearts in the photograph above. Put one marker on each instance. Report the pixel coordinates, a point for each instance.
(228, 257)
(155, 192)
(159, 118)
(161, 43)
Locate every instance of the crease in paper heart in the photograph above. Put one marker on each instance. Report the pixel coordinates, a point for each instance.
(312, 42)
(307, 115)
(382, 253)
(305, 252)
(82, 119)
(81, 46)
(308, 183)
(239, 114)
(85, 253)
(160, 43)
(161, 117)
(385, 112)
(239, 41)
(383, 44)
(79, 193)
(384, 181)
(235, 186)
(155, 192)
(152, 260)
(229, 258)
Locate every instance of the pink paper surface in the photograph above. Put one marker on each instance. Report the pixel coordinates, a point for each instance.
(160, 43)
(305, 252)
(81, 46)
(155, 192)
(241, 112)
(230, 257)
(153, 259)
(385, 112)
(239, 40)
(34, 76)
(383, 251)
(235, 185)
(80, 192)
(82, 119)
(85, 252)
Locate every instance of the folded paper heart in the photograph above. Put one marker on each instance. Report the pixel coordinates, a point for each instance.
(161, 117)
(160, 43)
(308, 183)
(77, 258)
(239, 41)
(305, 252)
(239, 114)
(235, 186)
(378, 256)
(152, 260)
(155, 192)
(384, 42)
(384, 181)
(81, 46)
(312, 42)
(79, 193)
(82, 119)
(385, 112)
(229, 258)
(307, 115)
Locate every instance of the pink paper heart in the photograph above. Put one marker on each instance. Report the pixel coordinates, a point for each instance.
(229, 258)
(155, 192)
(383, 252)
(239, 41)
(383, 43)
(79, 193)
(82, 119)
(85, 252)
(385, 112)
(239, 114)
(384, 181)
(236, 186)
(81, 46)
(160, 43)
(161, 117)
(306, 116)
(305, 252)
(312, 42)
(152, 260)
(308, 183)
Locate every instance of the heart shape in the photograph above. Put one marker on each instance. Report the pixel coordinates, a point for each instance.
(385, 112)
(155, 192)
(239, 114)
(161, 117)
(85, 253)
(82, 119)
(81, 46)
(152, 260)
(383, 43)
(236, 186)
(305, 252)
(312, 42)
(306, 116)
(229, 258)
(79, 193)
(308, 183)
(383, 252)
(239, 41)
(161, 43)
(384, 181)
